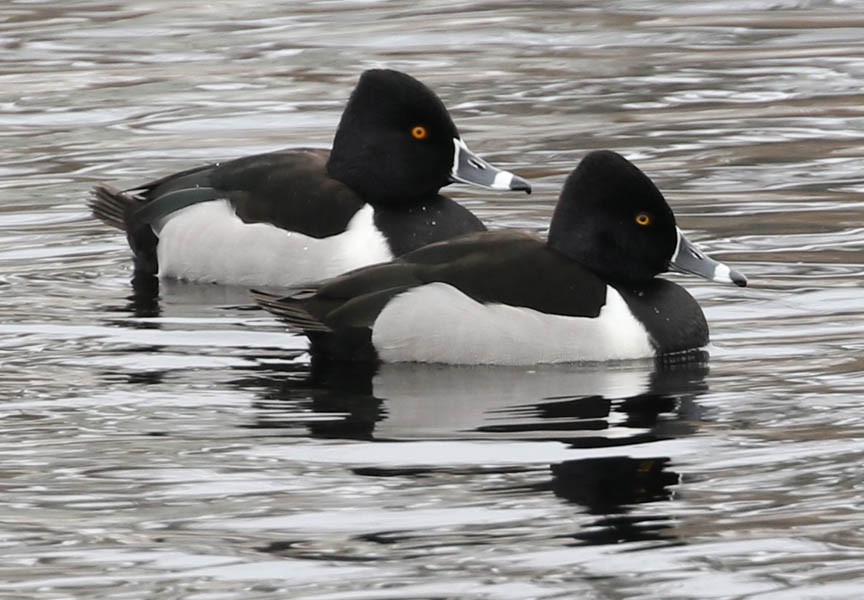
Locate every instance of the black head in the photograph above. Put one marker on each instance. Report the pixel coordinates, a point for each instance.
(395, 139)
(612, 219)
(396, 144)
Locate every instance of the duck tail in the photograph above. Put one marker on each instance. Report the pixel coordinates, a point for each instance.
(292, 310)
(110, 205)
(116, 208)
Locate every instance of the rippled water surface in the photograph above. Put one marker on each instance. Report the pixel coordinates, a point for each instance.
(182, 448)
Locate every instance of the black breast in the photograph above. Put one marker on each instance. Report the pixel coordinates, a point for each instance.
(419, 224)
(674, 320)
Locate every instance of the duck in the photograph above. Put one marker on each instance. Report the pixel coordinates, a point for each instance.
(589, 292)
(305, 214)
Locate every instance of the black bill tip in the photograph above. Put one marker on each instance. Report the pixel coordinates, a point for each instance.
(520, 185)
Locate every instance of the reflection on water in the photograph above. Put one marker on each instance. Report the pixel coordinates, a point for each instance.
(590, 407)
(571, 405)
(607, 487)
(164, 437)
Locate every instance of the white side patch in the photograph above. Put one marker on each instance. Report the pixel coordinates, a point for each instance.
(438, 323)
(208, 242)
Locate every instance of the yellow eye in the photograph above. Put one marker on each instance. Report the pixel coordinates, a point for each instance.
(644, 219)
(419, 132)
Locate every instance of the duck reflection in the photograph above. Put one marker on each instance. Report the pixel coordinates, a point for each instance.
(596, 482)
(142, 303)
(324, 401)
(154, 297)
(610, 487)
(583, 407)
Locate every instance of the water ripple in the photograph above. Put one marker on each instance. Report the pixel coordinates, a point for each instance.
(181, 443)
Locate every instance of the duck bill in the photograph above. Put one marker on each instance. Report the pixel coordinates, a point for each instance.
(470, 168)
(688, 258)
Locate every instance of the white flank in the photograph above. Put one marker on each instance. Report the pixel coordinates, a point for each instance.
(436, 323)
(208, 242)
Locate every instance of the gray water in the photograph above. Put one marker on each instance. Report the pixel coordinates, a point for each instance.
(178, 447)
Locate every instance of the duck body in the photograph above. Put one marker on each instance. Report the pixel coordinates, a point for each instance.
(502, 298)
(291, 216)
(588, 293)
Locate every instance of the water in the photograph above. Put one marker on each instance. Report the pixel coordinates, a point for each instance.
(182, 448)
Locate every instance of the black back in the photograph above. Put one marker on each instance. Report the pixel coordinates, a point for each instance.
(289, 189)
(506, 267)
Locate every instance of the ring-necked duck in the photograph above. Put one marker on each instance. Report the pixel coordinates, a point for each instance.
(587, 293)
(299, 215)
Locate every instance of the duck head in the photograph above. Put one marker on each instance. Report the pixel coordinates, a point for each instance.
(396, 143)
(611, 218)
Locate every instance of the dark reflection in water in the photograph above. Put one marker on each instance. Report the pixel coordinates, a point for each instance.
(608, 487)
(588, 408)
(144, 301)
(340, 396)
(559, 402)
